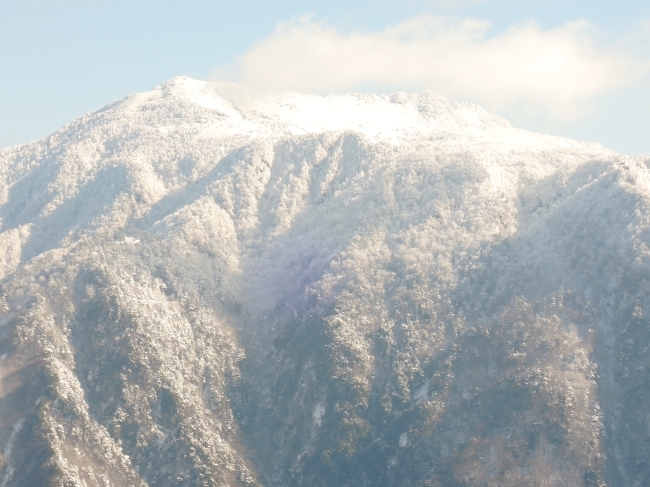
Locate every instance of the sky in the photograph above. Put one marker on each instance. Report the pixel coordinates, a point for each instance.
(579, 69)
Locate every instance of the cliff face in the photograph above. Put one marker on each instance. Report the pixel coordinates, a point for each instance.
(353, 290)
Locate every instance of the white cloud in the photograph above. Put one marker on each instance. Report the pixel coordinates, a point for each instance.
(555, 72)
(456, 3)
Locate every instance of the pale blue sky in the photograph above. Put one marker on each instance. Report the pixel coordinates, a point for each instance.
(62, 58)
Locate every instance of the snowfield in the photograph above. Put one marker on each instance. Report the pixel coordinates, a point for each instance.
(203, 289)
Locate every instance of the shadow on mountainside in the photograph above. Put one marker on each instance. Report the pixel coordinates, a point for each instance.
(28, 196)
(522, 387)
(187, 195)
(576, 245)
(90, 202)
(572, 234)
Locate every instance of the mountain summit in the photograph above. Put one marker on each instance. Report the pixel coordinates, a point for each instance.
(202, 289)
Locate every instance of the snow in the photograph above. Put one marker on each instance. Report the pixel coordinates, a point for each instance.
(422, 393)
(319, 412)
(211, 219)
(403, 440)
(292, 178)
(388, 118)
(6, 453)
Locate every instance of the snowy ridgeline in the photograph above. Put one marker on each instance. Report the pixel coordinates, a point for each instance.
(282, 186)
(298, 290)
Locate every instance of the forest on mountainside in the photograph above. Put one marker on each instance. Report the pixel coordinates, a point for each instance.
(353, 290)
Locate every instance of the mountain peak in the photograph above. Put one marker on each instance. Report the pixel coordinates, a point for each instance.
(204, 285)
(391, 118)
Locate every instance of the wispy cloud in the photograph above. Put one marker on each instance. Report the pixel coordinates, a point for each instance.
(553, 72)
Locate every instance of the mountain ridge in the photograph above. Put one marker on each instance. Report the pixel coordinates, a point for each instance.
(344, 290)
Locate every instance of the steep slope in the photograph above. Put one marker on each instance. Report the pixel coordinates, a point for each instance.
(351, 290)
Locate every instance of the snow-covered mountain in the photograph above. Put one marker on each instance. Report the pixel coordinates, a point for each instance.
(351, 290)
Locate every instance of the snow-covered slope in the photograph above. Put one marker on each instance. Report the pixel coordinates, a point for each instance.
(298, 290)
